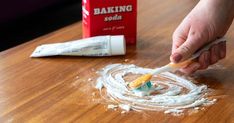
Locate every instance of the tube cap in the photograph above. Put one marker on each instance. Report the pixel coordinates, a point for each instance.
(117, 45)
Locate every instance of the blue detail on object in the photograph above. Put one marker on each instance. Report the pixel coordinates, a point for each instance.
(145, 87)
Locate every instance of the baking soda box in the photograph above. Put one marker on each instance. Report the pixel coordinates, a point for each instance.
(110, 17)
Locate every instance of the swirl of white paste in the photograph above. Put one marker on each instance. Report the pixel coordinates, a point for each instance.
(174, 93)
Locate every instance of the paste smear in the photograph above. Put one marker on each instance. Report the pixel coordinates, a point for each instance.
(171, 93)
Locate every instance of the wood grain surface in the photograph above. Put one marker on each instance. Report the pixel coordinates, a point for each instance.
(56, 89)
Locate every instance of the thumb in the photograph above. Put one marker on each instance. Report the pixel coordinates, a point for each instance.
(189, 47)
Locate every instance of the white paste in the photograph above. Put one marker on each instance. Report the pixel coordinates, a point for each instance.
(197, 108)
(170, 96)
(123, 112)
(99, 84)
(125, 107)
(112, 106)
(126, 60)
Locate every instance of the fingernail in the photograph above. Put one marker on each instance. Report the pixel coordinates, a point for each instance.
(217, 52)
(191, 68)
(196, 66)
(176, 57)
(222, 55)
(213, 56)
(207, 59)
(223, 50)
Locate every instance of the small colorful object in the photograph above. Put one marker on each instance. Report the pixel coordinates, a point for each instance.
(140, 85)
(145, 87)
(140, 81)
(144, 90)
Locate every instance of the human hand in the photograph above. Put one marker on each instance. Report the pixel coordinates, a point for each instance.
(209, 20)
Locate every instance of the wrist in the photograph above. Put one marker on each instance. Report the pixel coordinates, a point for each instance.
(225, 8)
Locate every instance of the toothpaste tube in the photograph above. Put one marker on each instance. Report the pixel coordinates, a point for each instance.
(94, 46)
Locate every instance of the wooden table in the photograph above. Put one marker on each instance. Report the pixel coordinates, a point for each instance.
(56, 89)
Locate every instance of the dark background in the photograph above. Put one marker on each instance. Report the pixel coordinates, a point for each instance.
(24, 20)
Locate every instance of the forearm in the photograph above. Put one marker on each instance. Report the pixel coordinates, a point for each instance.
(225, 8)
(225, 5)
(232, 7)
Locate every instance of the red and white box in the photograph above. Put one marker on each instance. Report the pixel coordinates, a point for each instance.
(110, 17)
